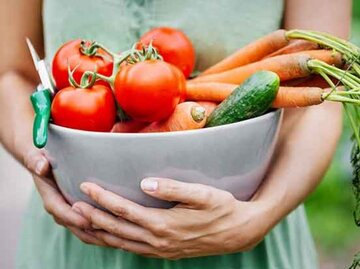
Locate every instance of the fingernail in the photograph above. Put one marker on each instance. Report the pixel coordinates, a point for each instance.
(40, 166)
(84, 188)
(149, 184)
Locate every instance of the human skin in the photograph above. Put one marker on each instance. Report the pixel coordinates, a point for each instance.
(207, 221)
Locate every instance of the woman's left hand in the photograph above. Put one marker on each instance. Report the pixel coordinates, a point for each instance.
(207, 221)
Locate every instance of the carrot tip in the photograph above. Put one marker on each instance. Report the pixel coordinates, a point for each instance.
(198, 113)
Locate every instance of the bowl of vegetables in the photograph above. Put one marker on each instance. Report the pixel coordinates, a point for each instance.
(118, 118)
(232, 157)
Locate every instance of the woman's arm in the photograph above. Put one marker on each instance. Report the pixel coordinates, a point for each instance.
(20, 19)
(308, 136)
(209, 221)
(17, 75)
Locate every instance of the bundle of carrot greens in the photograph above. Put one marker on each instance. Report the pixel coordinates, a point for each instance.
(313, 67)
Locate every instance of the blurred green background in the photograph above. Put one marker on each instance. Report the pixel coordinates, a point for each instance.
(330, 207)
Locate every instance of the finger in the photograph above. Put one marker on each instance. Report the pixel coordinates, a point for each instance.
(56, 205)
(87, 237)
(58, 221)
(177, 191)
(118, 205)
(124, 244)
(112, 224)
(35, 161)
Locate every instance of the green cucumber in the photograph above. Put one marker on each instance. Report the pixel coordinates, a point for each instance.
(251, 99)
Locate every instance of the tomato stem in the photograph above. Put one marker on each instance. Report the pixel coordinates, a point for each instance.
(87, 48)
(85, 82)
(72, 80)
(90, 48)
(131, 56)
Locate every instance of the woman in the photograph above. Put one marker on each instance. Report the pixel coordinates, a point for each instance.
(209, 227)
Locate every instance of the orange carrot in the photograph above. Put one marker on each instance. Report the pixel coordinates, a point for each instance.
(294, 46)
(251, 52)
(208, 91)
(209, 106)
(327, 56)
(128, 127)
(286, 97)
(298, 97)
(187, 116)
(288, 66)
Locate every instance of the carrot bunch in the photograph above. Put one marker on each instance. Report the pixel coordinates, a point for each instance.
(295, 56)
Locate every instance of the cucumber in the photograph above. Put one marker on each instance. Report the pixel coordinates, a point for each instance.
(251, 99)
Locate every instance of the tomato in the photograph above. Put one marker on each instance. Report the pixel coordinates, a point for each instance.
(182, 84)
(174, 46)
(91, 109)
(149, 91)
(70, 53)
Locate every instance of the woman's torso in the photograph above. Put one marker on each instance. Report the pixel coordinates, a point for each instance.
(216, 28)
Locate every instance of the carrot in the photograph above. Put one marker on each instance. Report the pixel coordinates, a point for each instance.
(208, 91)
(286, 97)
(327, 56)
(288, 66)
(298, 97)
(187, 116)
(251, 52)
(294, 46)
(209, 106)
(128, 127)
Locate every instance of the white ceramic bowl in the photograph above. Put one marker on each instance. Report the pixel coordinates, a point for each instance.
(232, 157)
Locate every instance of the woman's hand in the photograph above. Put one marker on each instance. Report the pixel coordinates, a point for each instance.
(207, 221)
(54, 202)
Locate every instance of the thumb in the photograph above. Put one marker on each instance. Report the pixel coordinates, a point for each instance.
(36, 162)
(177, 191)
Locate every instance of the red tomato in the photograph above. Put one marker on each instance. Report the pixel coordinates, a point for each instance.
(174, 46)
(182, 84)
(91, 109)
(70, 53)
(149, 91)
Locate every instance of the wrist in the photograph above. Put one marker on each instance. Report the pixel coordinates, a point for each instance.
(269, 209)
(254, 220)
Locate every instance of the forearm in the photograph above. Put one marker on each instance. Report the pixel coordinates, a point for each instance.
(308, 136)
(16, 113)
(17, 73)
(301, 160)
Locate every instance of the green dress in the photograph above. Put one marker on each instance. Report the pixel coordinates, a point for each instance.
(216, 28)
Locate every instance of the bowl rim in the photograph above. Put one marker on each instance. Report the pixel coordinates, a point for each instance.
(243, 123)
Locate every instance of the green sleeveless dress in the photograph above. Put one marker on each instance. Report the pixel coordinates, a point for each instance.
(217, 28)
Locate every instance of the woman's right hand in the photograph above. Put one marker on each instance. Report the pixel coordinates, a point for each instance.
(54, 202)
